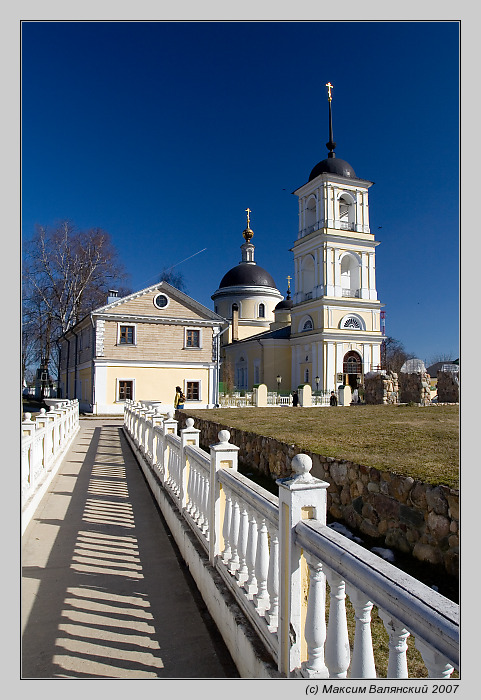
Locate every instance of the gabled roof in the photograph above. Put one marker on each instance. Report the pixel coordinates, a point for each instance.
(171, 291)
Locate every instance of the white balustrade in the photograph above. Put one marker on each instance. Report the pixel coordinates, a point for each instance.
(257, 542)
(44, 444)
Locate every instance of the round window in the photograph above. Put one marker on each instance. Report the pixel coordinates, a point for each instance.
(161, 301)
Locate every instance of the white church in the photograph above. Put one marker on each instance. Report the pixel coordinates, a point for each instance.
(329, 332)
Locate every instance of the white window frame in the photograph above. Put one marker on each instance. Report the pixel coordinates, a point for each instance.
(259, 310)
(303, 322)
(192, 347)
(129, 325)
(117, 388)
(196, 381)
(161, 308)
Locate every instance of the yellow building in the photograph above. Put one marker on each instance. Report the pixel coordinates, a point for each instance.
(335, 329)
(141, 347)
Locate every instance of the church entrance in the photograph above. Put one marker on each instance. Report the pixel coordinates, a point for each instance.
(352, 369)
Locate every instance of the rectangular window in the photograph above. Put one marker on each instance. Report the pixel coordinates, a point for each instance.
(193, 391)
(192, 338)
(125, 389)
(127, 335)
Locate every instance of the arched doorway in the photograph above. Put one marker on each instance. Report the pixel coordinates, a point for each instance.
(352, 367)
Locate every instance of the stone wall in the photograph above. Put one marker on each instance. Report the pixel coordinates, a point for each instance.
(403, 513)
(415, 387)
(448, 387)
(381, 388)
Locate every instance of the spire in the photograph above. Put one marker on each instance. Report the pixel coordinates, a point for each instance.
(248, 232)
(330, 144)
(248, 247)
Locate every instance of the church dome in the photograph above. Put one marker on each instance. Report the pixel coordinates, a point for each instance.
(284, 305)
(247, 275)
(335, 166)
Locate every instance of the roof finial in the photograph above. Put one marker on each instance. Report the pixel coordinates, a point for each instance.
(330, 144)
(248, 232)
(289, 284)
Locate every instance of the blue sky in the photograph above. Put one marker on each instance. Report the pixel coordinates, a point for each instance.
(162, 133)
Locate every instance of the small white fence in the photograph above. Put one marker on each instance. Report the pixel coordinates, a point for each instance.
(249, 398)
(276, 553)
(45, 441)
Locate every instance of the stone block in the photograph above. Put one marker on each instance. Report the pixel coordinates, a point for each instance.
(384, 506)
(438, 524)
(436, 500)
(411, 516)
(427, 553)
(400, 486)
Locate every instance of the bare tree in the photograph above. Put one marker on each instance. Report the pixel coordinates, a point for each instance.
(66, 274)
(176, 279)
(395, 354)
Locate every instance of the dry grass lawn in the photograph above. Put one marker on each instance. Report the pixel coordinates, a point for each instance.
(422, 442)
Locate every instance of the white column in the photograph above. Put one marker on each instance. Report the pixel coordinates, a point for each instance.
(300, 496)
(188, 436)
(223, 455)
(372, 276)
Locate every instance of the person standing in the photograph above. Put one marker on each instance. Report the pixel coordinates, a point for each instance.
(295, 398)
(179, 398)
(333, 399)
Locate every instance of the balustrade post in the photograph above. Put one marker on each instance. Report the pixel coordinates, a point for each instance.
(363, 665)
(223, 455)
(169, 427)
(157, 421)
(397, 666)
(250, 585)
(338, 654)
(301, 496)
(272, 614)
(188, 436)
(437, 665)
(315, 630)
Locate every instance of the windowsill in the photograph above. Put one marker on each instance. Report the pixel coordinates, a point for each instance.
(190, 347)
(126, 345)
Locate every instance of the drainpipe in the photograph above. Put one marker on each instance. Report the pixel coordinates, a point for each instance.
(216, 340)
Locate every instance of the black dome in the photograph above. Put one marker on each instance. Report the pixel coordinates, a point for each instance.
(284, 304)
(336, 166)
(247, 275)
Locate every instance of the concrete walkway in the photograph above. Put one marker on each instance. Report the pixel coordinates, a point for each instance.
(105, 593)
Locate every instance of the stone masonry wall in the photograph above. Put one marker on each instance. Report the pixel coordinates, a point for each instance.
(381, 388)
(448, 387)
(403, 513)
(415, 387)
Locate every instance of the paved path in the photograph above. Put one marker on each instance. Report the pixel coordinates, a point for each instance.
(105, 593)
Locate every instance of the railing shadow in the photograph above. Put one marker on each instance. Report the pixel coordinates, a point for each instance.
(111, 600)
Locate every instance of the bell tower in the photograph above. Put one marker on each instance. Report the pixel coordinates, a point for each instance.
(336, 310)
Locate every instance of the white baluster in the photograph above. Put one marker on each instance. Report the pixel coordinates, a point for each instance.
(243, 572)
(437, 665)
(362, 665)
(234, 535)
(397, 665)
(262, 567)
(272, 615)
(250, 585)
(205, 504)
(226, 526)
(338, 654)
(315, 627)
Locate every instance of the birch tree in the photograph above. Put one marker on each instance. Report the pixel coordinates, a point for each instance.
(66, 274)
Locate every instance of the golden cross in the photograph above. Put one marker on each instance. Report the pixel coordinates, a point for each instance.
(248, 219)
(329, 88)
(289, 283)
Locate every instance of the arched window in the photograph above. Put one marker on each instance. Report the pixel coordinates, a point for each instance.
(311, 214)
(307, 276)
(350, 276)
(347, 211)
(235, 308)
(307, 325)
(352, 363)
(262, 311)
(353, 322)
